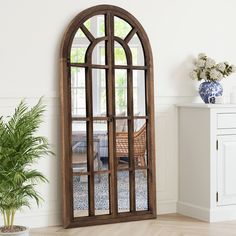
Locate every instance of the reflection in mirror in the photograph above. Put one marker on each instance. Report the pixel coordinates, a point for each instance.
(120, 56)
(122, 144)
(123, 190)
(141, 190)
(100, 145)
(79, 146)
(101, 194)
(99, 92)
(96, 26)
(78, 95)
(121, 92)
(80, 196)
(139, 93)
(78, 48)
(121, 27)
(140, 145)
(137, 51)
(87, 24)
(98, 55)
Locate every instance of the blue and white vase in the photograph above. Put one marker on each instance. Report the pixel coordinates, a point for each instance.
(209, 90)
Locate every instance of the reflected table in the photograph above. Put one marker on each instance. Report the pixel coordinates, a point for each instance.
(79, 149)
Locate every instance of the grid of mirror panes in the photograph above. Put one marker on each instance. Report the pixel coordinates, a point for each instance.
(127, 179)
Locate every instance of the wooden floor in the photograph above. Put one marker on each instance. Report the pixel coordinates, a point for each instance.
(165, 225)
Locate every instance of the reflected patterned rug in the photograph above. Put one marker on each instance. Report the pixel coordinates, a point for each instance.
(102, 192)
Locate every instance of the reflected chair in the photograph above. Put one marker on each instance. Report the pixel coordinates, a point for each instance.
(122, 146)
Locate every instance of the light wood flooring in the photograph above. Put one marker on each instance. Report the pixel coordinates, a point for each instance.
(164, 225)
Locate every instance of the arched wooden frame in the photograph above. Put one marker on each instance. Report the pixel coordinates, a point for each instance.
(109, 12)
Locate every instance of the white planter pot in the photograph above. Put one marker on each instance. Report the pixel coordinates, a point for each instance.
(21, 233)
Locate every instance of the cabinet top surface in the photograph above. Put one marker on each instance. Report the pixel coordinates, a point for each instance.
(209, 106)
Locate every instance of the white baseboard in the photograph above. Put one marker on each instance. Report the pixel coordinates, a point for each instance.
(166, 207)
(223, 213)
(218, 214)
(45, 219)
(193, 211)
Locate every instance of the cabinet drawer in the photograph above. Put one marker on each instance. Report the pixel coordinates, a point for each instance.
(226, 121)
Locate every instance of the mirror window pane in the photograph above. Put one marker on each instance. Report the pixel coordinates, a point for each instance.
(100, 144)
(99, 92)
(98, 55)
(120, 56)
(123, 191)
(79, 46)
(141, 190)
(80, 196)
(78, 93)
(137, 51)
(79, 146)
(96, 26)
(140, 145)
(121, 92)
(139, 93)
(121, 27)
(122, 143)
(101, 194)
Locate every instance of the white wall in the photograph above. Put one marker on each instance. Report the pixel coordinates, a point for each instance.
(30, 36)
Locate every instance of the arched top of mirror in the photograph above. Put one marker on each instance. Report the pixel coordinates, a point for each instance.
(91, 24)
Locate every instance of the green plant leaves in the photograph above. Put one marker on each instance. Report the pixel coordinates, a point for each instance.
(20, 147)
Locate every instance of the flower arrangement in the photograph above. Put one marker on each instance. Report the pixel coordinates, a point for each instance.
(207, 69)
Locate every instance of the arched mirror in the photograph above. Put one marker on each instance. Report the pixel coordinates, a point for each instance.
(107, 119)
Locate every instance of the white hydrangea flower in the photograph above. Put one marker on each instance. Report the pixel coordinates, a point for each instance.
(216, 75)
(233, 68)
(203, 75)
(193, 75)
(201, 55)
(226, 63)
(200, 63)
(221, 66)
(210, 62)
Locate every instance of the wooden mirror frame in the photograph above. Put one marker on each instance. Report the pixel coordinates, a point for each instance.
(66, 117)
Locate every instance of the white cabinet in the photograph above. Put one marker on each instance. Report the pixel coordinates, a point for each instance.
(207, 161)
(226, 169)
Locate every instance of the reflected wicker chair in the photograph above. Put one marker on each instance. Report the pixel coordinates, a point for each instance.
(122, 149)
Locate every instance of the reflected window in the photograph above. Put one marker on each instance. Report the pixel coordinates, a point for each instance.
(121, 27)
(78, 94)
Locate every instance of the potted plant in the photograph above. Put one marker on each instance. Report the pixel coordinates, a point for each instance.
(208, 70)
(20, 147)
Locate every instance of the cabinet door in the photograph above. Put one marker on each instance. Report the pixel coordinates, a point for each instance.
(226, 173)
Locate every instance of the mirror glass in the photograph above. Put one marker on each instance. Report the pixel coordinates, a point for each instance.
(78, 92)
(121, 92)
(101, 194)
(120, 57)
(139, 93)
(100, 145)
(123, 190)
(99, 92)
(80, 196)
(121, 27)
(98, 55)
(79, 146)
(140, 145)
(122, 145)
(141, 190)
(79, 46)
(96, 26)
(137, 51)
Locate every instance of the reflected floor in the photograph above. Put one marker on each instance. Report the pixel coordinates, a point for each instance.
(80, 186)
